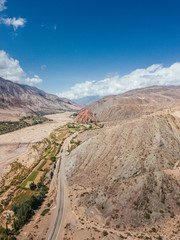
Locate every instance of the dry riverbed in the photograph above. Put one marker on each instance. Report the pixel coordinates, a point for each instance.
(17, 145)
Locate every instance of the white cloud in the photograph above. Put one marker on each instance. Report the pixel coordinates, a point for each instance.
(15, 22)
(153, 75)
(2, 5)
(10, 69)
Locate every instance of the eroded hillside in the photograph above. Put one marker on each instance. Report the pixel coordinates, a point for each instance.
(17, 100)
(124, 179)
(135, 103)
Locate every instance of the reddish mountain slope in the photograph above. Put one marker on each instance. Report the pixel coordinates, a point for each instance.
(85, 115)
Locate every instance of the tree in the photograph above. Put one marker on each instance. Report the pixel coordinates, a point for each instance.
(32, 186)
(40, 184)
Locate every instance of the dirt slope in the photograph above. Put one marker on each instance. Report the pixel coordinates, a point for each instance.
(17, 99)
(130, 168)
(135, 103)
(85, 115)
(125, 178)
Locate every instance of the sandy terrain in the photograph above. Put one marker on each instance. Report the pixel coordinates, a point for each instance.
(17, 144)
(11, 115)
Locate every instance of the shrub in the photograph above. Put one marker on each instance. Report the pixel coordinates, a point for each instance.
(12, 238)
(1, 208)
(32, 186)
(105, 233)
(45, 211)
(53, 159)
(154, 229)
(147, 215)
(40, 184)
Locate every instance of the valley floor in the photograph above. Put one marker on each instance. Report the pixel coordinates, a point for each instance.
(85, 199)
(16, 145)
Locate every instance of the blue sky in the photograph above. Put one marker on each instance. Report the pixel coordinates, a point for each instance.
(67, 42)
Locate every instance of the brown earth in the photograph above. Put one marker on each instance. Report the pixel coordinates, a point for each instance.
(38, 178)
(125, 178)
(84, 116)
(17, 100)
(46, 166)
(136, 103)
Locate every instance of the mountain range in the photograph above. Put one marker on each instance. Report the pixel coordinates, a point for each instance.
(17, 100)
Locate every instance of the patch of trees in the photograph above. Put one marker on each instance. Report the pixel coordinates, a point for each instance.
(6, 234)
(25, 211)
(9, 126)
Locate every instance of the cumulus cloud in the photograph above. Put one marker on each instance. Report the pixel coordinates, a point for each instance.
(2, 5)
(153, 75)
(10, 69)
(15, 22)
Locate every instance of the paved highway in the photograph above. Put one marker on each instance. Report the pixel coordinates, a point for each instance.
(56, 231)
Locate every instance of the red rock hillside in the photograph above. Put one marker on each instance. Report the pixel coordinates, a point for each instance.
(85, 115)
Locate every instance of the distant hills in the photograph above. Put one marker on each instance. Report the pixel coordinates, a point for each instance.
(86, 100)
(17, 100)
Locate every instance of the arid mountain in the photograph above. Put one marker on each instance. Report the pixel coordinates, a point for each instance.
(85, 115)
(126, 176)
(17, 100)
(135, 103)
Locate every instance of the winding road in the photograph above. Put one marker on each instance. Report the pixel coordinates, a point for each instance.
(56, 231)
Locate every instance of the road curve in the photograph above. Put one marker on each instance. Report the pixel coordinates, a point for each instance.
(55, 233)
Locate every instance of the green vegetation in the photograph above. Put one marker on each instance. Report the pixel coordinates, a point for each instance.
(74, 114)
(24, 212)
(31, 178)
(53, 158)
(1, 208)
(42, 165)
(23, 200)
(22, 196)
(19, 173)
(73, 126)
(79, 127)
(105, 233)
(6, 234)
(45, 211)
(32, 186)
(8, 126)
(73, 145)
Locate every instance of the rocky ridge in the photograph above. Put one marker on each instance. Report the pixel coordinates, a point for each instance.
(18, 100)
(126, 176)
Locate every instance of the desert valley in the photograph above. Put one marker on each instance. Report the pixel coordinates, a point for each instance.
(109, 170)
(90, 120)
